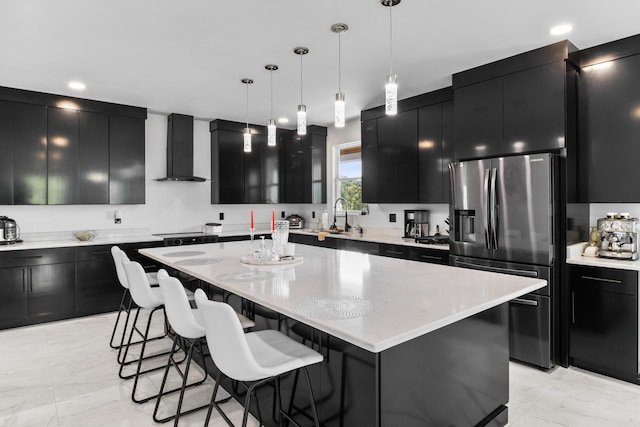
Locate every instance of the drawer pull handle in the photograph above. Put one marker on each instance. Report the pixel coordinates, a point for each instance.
(524, 302)
(602, 279)
(27, 256)
(100, 253)
(431, 257)
(388, 251)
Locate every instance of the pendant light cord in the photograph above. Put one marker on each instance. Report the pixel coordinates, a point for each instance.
(339, 62)
(390, 42)
(272, 93)
(247, 107)
(301, 80)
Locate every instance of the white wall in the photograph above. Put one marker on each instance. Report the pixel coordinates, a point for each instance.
(378, 213)
(599, 210)
(170, 206)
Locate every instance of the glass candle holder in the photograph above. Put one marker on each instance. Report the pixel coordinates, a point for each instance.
(280, 237)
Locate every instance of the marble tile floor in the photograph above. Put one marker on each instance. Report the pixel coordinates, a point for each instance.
(64, 374)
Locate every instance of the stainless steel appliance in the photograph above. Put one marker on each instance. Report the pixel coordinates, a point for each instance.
(618, 236)
(295, 221)
(504, 220)
(9, 231)
(416, 223)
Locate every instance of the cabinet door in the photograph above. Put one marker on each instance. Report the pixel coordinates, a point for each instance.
(51, 291)
(271, 171)
(97, 288)
(93, 159)
(534, 110)
(447, 149)
(609, 117)
(398, 158)
(478, 120)
(30, 155)
(126, 160)
(433, 256)
(318, 170)
(293, 164)
(430, 154)
(6, 147)
(369, 144)
(394, 251)
(13, 297)
(231, 167)
(253, 177)
(63, 141)
(604, 320)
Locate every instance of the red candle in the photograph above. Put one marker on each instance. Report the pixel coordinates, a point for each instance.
(252, 224)
(273, 220)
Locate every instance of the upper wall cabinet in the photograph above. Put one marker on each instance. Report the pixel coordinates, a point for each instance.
(294, 171)
(516, 105)
(609, 120)
(403, 156)
(69, 150)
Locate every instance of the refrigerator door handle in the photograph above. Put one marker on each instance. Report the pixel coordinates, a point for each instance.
(494, 201)
(487, 210)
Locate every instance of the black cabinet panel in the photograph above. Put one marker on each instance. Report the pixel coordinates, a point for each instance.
(534, 109)
(231, 167)
(126, 160)
(447, 149)
(604, 321)
(30, 155)
(13, 297)
(271, 171)
(293, 169)
(610, 125)
(6, 148)
(63, 141)
(398, 158)
(395, 251)
(369, 146)
(93, 159)
(478, 119)
(51, 291)
(97, 288)
(430, 154)
(433, 256)
(318, 173)
(371, 248)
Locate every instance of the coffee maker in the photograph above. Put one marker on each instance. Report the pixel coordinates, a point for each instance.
(416, 223)
(618, 236)
(9, 231)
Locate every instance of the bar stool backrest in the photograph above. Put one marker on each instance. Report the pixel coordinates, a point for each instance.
(176, 305)
(139, 286)
(118, 257)
(227, 342)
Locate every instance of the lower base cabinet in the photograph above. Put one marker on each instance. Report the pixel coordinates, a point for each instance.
(604, 321)
(97, 288)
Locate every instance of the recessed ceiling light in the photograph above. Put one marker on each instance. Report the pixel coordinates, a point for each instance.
(283, 120)
(77, 85)
(559, 30)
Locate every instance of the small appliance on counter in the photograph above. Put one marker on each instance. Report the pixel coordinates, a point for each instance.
(618, 236)
(416, 223)
(295, 221)
(9, 231)
(212, 228)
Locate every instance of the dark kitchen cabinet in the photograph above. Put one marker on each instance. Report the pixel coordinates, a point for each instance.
(398, 157)
(434, 136)
(97, 288)
(604, 321)
(40, 280)
(515, 105)
(63, 144)
(226, 152)
(609, 117)
(93, 158)
(126, 160)
(6, 147)
(369, 146)
(433, 256)
(30, 155)
(304, 167)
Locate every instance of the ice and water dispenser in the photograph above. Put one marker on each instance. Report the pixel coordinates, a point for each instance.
(465, 225)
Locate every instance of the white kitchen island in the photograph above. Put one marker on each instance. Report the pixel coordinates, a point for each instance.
(406, 343)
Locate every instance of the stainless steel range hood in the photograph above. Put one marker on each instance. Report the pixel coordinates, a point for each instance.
(180, 149)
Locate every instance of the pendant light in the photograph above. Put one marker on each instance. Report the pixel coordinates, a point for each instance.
(391, 85)
(302, 109)
(271, 126)
(247, 130)
(339, 106)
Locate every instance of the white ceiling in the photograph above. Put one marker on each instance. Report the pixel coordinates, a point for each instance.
(189, 56)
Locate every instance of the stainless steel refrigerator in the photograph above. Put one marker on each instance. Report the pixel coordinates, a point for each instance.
(505, 212)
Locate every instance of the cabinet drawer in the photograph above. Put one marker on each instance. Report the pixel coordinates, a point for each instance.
(434, 256)
(394, 251)
(24, 258)
(362, 247)
(604, 279)
(91, 253)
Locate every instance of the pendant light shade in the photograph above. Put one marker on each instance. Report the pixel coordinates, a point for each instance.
(302, 109)
(339, 105)
(271, 126)
(391, 85)
(247, 130)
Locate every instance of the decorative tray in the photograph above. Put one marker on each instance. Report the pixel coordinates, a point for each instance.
(296, 259)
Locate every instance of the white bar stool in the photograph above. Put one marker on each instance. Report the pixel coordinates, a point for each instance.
(256, 357)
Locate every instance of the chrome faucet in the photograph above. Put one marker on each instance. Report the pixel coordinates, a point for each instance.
(346, 216)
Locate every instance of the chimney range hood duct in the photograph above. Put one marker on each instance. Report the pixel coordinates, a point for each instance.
(180, 149)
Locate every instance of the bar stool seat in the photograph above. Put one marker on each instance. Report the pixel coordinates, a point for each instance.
(256, 357)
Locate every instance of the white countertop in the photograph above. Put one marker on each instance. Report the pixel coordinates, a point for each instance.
(574, 256)
(374, 236)
(65, 239)
(409, 298)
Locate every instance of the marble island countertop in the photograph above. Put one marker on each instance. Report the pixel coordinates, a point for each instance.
(371, 301)
(574, 256)
(372, 235)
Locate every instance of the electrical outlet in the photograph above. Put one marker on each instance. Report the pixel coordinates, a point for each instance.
(282, 214)
(221, 216)
(313, 214)
(392, 217)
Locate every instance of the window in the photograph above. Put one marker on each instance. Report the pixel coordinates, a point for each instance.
(348, 182)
